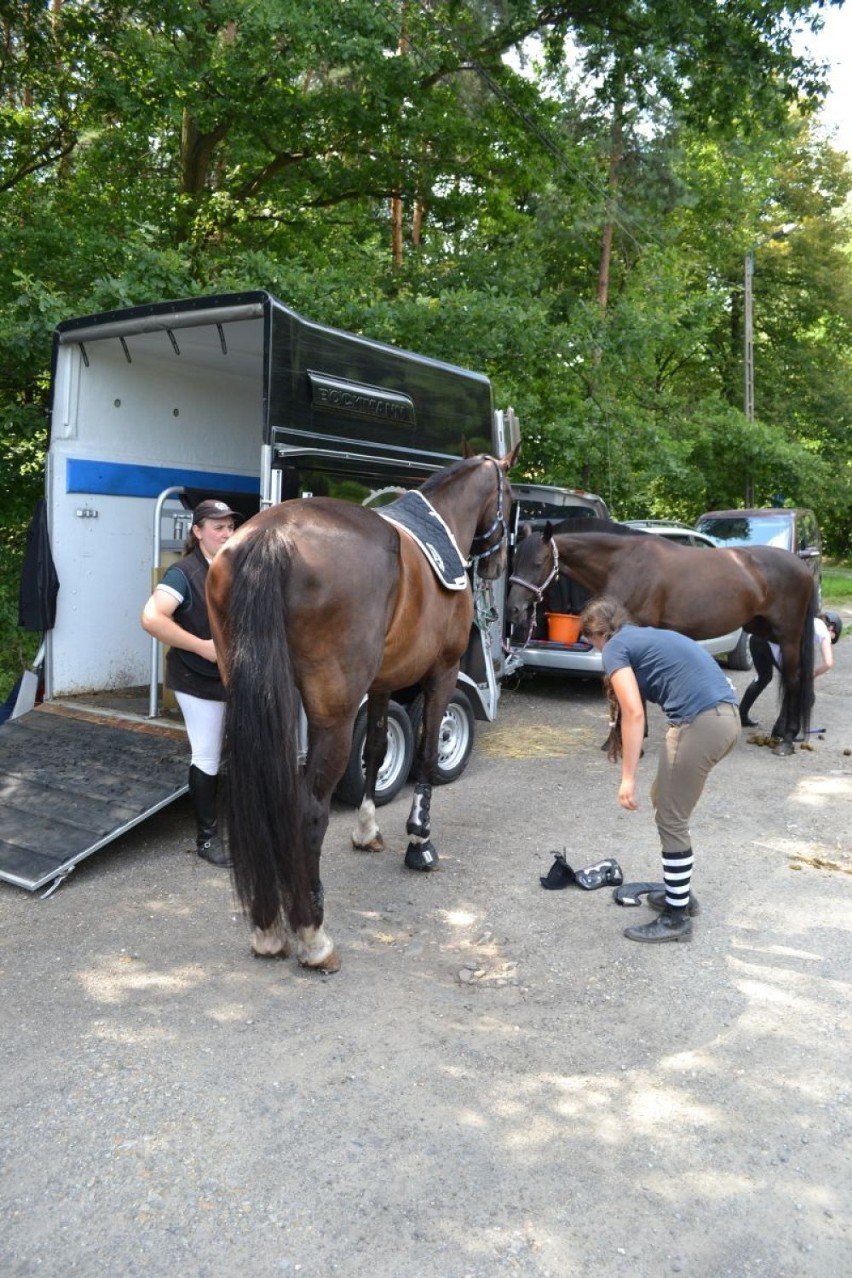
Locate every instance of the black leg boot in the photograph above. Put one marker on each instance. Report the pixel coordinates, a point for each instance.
(202, 792)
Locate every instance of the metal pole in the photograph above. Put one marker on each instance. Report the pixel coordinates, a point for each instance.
(748, 338)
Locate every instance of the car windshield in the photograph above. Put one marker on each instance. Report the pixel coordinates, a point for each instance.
(547, 510)
(742, 530)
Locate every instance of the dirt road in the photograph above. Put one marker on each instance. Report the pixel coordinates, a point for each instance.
(496, 1083)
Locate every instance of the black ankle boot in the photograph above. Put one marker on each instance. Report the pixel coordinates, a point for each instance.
(671, 925)
(202, 792)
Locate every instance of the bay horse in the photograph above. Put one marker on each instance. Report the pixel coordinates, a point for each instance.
(322, 602)
(700, 592)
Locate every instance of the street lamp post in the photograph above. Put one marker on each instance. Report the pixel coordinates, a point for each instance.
(748, 333)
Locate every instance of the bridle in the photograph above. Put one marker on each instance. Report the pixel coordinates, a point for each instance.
(499, 523)
(537, 592)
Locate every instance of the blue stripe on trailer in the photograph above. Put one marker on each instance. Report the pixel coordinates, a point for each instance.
(123, 479)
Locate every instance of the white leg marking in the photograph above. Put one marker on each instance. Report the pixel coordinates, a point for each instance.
(272, 942)
(314, 946)
(367, 828)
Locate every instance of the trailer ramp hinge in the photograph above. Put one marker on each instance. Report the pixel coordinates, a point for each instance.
(57, 883)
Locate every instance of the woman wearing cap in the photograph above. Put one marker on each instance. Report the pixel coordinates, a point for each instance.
(643, 663)
(176, 614)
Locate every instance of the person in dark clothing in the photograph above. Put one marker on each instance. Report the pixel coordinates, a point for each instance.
(176, 614)
(643, 663)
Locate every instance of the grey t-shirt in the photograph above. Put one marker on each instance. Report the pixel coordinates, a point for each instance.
(672, 671)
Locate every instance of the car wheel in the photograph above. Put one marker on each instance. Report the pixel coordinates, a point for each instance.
(455, 737)
(395, 767)
(739, 658)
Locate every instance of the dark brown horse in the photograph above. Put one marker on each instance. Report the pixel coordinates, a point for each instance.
(701, 593)
(324, 601)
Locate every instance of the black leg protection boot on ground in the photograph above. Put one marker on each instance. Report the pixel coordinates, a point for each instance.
(657, 901)
(202, 792)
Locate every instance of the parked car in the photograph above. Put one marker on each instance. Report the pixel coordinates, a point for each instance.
(795, 530)
(538, 504)
(581, 658)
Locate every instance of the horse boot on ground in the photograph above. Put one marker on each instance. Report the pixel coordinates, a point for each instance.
(202, 792)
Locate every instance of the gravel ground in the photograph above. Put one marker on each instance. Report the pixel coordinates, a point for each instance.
(496, 1082)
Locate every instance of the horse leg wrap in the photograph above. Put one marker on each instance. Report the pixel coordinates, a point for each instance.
(421, 855)
(419, 824)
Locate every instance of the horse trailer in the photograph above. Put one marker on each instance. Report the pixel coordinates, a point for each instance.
(153, 408)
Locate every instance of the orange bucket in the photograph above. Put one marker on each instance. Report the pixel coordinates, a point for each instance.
(563, 627)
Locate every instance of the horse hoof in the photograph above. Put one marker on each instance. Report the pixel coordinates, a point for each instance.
(272, 942)
(783, 748)
(421, 856)
(373, 845)
(329, 964)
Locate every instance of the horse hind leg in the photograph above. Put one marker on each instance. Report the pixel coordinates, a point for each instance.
(314, 946)
(326, 760)
(367, 837)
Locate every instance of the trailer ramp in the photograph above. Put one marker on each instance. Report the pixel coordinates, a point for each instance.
(72, 781)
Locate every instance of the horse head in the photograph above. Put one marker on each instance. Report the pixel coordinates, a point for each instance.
(536, 566)
(489, 547)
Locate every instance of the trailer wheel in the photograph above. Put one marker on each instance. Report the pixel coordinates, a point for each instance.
(739, 658)
(395, 766)
(455, 738)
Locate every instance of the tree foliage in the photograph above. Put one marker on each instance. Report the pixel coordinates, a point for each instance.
(559, 195)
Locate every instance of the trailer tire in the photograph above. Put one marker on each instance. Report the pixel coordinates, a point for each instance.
(396, 764)
(739, 658)
(456, 736)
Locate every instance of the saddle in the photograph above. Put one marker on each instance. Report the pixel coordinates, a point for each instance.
(413, 513)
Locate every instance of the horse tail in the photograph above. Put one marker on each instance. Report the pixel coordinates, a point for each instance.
(806, 664)
(263, 793)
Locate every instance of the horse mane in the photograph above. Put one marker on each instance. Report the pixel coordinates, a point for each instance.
(579, 524)
(439, 477)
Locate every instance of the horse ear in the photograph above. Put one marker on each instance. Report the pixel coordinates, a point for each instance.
(526, 531)
(548, 532)
(511, 458)
(467, 451)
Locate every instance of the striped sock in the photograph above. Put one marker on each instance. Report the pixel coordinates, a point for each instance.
(677, 876)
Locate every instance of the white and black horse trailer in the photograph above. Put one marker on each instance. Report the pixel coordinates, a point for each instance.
(153, 408)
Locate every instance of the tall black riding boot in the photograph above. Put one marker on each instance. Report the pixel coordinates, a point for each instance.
(750, 695)
(202, 792)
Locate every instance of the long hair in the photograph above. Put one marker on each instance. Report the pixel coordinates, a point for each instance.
(264, 794)
(604, 616)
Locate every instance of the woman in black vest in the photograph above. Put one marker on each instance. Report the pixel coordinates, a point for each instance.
(176, 614)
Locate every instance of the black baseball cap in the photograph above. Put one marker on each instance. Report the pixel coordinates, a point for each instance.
(213, 509)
